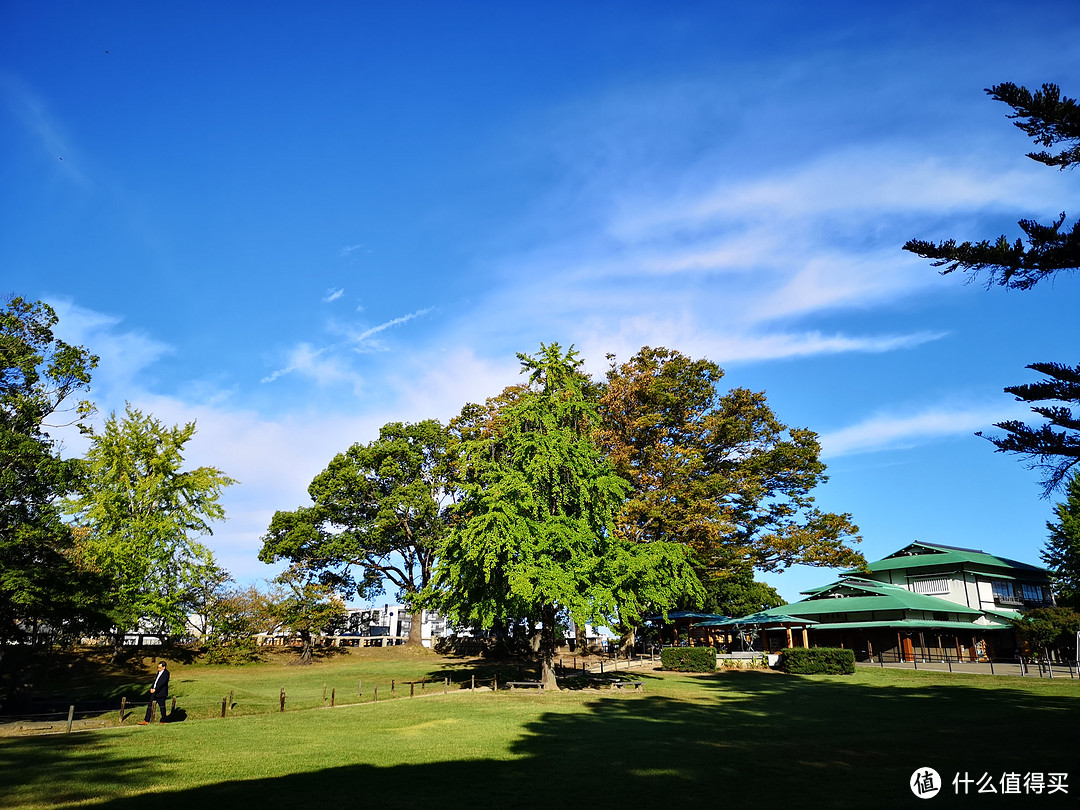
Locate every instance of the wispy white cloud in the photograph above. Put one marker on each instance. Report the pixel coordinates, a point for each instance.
(894, 430)
(328, 365)
(349, 250)
(333, 294)
(32, 112)
(374, 330)
(125, 353)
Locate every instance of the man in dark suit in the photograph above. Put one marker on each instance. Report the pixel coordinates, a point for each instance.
(159, 691)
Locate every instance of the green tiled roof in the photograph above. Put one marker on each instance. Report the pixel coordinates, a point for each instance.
(878, 596)
(917, 624)
(936, 555)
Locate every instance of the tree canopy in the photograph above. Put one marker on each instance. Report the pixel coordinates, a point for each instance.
(42, 583)
(1049, 119)
(719, 473)
(534, 533)
(379, 511)
(143, 514)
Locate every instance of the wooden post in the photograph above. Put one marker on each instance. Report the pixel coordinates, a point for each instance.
(787, 632)
(445, 683)
(333, 693)
(393, 686)
(324, 693)
(412, 688)
(71, 717)
(495, 684)
(283, 698)
(359, 687)
(230, 699)
(123, 705)
(472, 684)
(153, 710)
(224, 700)
(376, 693)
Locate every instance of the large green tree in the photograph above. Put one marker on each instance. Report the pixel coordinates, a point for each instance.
(1062, 551)
(534, 535)
(42, 585)
(143, 514)
(379, 511)
(1053, 447)
(717, 472)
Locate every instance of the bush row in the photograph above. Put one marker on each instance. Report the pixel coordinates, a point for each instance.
(688, 659)
(818, 661)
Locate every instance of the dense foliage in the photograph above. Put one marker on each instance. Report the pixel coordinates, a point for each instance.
(143, 514)
(1043, 630)
(688, 659)
(534, 532)
(818, 661)
(718, 473)
(45, 591)
(379, 511)
(1062, 551)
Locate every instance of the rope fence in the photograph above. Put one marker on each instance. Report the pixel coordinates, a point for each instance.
(121, 711)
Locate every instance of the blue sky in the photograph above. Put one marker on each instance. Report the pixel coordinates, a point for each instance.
(294, 225)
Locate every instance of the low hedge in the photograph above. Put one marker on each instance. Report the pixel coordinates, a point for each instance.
(688, 659)
(818, 661)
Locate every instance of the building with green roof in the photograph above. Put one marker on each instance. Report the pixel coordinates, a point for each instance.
(924, 602)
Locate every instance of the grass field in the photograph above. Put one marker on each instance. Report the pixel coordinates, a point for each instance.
(725, 739)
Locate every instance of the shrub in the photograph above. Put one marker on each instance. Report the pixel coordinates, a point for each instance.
(760, 662)
(818, 661)
(688, 659)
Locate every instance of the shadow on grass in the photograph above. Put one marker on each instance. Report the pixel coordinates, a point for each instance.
(737, 739)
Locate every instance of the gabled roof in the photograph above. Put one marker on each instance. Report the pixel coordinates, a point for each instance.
(857, 595)
(926, 555)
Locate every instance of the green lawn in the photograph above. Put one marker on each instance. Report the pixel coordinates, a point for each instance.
(726, 739)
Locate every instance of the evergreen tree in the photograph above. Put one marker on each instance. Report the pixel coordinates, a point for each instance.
(1062, 551)
(1048, 119)
(1052, 447)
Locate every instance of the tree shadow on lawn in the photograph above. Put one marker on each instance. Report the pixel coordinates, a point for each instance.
(745, 737)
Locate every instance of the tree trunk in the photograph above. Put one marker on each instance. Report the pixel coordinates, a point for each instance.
(627, 639)
(305, 651)
(416, 629)
(546, 652)
(581, 642)
(118, 646)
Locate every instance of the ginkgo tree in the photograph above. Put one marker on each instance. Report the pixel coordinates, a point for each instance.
(142, 514)
(533, 535)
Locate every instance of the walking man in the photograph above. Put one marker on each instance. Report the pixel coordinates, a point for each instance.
(158, 693)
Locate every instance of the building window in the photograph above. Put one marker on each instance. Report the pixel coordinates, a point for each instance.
(1005, 593)
(929, 586)
(1033, 593)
